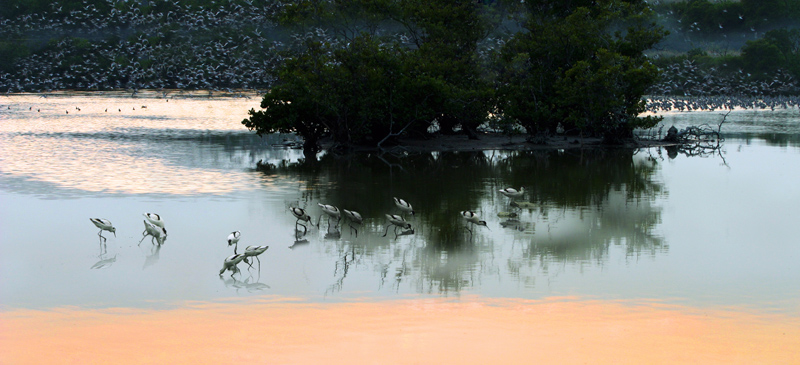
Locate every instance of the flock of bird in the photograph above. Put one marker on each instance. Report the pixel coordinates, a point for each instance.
(155, 228)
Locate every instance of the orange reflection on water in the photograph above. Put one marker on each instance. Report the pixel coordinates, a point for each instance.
(471, 330)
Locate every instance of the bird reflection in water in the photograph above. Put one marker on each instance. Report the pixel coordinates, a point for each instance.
(245, 284)
(153, 257)
(298, 243)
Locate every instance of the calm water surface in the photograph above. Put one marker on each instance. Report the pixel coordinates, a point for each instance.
(713, 231)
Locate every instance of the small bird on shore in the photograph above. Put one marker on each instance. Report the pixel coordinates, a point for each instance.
(104, 225)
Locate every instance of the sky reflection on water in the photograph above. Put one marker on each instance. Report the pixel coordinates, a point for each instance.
(620, 254)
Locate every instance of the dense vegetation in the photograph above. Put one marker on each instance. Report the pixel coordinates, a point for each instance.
(367, 71)
(578, 66)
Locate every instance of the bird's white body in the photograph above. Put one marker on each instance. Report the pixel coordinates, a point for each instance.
(398, 220)
(353, 216)
(300, 214)
(330, 210)
(512, 193)
(254, 251)
(104, 225)
(472, 217)
(233, 238)
(154, 219)
(159, 233)
(403, 205)
(231, 262)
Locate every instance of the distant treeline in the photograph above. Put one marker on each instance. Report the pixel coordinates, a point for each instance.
(717, 17)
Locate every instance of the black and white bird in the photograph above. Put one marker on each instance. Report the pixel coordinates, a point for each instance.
(233, 239)
(104, 225)
(330, 211)
(399, 222)
(301, 215)
(403, 205)
(353, 217)
(254, 251)
(231, 262)
(513, 193)
(156, 232)
(154, 219)
(472, 217)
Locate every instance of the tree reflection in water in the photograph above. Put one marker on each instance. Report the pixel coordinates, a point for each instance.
(578, 204)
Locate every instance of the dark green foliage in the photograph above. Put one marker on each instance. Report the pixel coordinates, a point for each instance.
(579, 66)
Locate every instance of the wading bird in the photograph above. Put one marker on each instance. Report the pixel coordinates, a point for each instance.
(399, 222)
(472, 217)
(158, 233)
(301, 215)
(233, 239)
(512, 193)
(330, 211)
(403, 205)
(104, 225)
(231, 262)
(154, 219)
(254, 251)
(354, 218)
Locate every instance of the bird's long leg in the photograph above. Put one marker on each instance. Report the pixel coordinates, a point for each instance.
(353, 228)
(235, 246)
(143, 237)
(305, 229)
(101, 235)
(387, 230)
(248, 264)
(259, 266)
(395, 232)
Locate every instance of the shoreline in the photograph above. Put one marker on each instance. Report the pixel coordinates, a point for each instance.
(499, 141)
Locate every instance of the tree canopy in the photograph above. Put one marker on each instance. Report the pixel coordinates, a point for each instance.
(367, 71)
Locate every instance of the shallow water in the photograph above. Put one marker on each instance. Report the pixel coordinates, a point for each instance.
(714, 231)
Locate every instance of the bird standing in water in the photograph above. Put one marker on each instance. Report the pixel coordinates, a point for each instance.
(403, 205)
(472, 217)
(254, 251)
(231, 262)
(330, 211)
(104, 225)
(301, 215)
(233, 240)
(513, 193)
(399, 222)
(354, 218)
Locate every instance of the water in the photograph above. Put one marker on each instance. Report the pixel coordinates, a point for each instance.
(609, 225)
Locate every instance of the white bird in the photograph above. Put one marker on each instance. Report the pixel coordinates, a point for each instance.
(158, 233)
(354, 218)
(301, 215)
(472, 217)
(231, 262)
(403, 205)
(233, 239)
(330, 211)
(512, 193)
(254, 251)
(398, 221)
(154, 219)
(104, 225)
